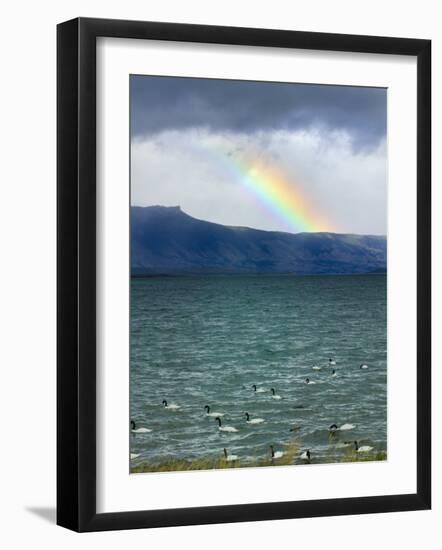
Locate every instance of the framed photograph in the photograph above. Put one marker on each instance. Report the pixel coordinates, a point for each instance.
(243, 274)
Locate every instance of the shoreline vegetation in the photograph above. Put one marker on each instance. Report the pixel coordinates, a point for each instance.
(291, 457)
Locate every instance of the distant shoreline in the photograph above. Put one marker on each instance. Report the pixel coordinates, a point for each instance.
(250, 274)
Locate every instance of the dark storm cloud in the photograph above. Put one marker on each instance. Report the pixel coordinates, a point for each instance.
(169, 103)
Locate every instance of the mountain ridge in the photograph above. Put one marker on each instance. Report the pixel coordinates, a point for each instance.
(166, 240)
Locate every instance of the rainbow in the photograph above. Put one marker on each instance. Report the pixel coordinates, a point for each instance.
(284, 197)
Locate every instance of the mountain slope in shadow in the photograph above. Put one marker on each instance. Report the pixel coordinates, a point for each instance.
(166, 240)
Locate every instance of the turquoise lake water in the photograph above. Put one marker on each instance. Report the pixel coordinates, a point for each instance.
(205, 340)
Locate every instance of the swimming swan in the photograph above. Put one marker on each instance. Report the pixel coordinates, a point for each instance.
(208, 413)
(363, 366)
(305, 455)
(333, 373)
(229, 458)
(315, 367)
(345, 427)
(363, 448)
(334, 428)
(258, 390)
(253, 420)
(133, 455)
(276, 454)
(308, 381)
(274, 394)
(331, 361)
(136, 430)
(222, 428)
(171, 407)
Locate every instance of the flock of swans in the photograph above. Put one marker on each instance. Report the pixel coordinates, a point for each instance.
(305, 455)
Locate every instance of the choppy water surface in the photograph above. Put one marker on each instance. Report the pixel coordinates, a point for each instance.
(206, 340)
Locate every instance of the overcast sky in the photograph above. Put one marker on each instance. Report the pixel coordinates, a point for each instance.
(327, 144)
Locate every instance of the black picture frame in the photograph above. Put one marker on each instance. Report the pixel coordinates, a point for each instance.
(76, 273)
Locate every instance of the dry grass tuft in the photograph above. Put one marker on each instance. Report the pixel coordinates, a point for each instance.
(359, 457)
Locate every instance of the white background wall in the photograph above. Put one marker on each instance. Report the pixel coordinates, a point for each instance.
(27, 289)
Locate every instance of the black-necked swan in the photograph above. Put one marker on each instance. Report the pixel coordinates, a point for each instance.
(274, 394)
(171, 407)
(229, 458)
(308, 381)
(258, 390)
(222, 428)
(306, 455)
(363, 366)
(345, 427)
(315, 367)
(253, 420)
(214, 414)
(276, 454)
(133, 456)
(333, 373)
(363, 448)
(331, 361)
(136, 430)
